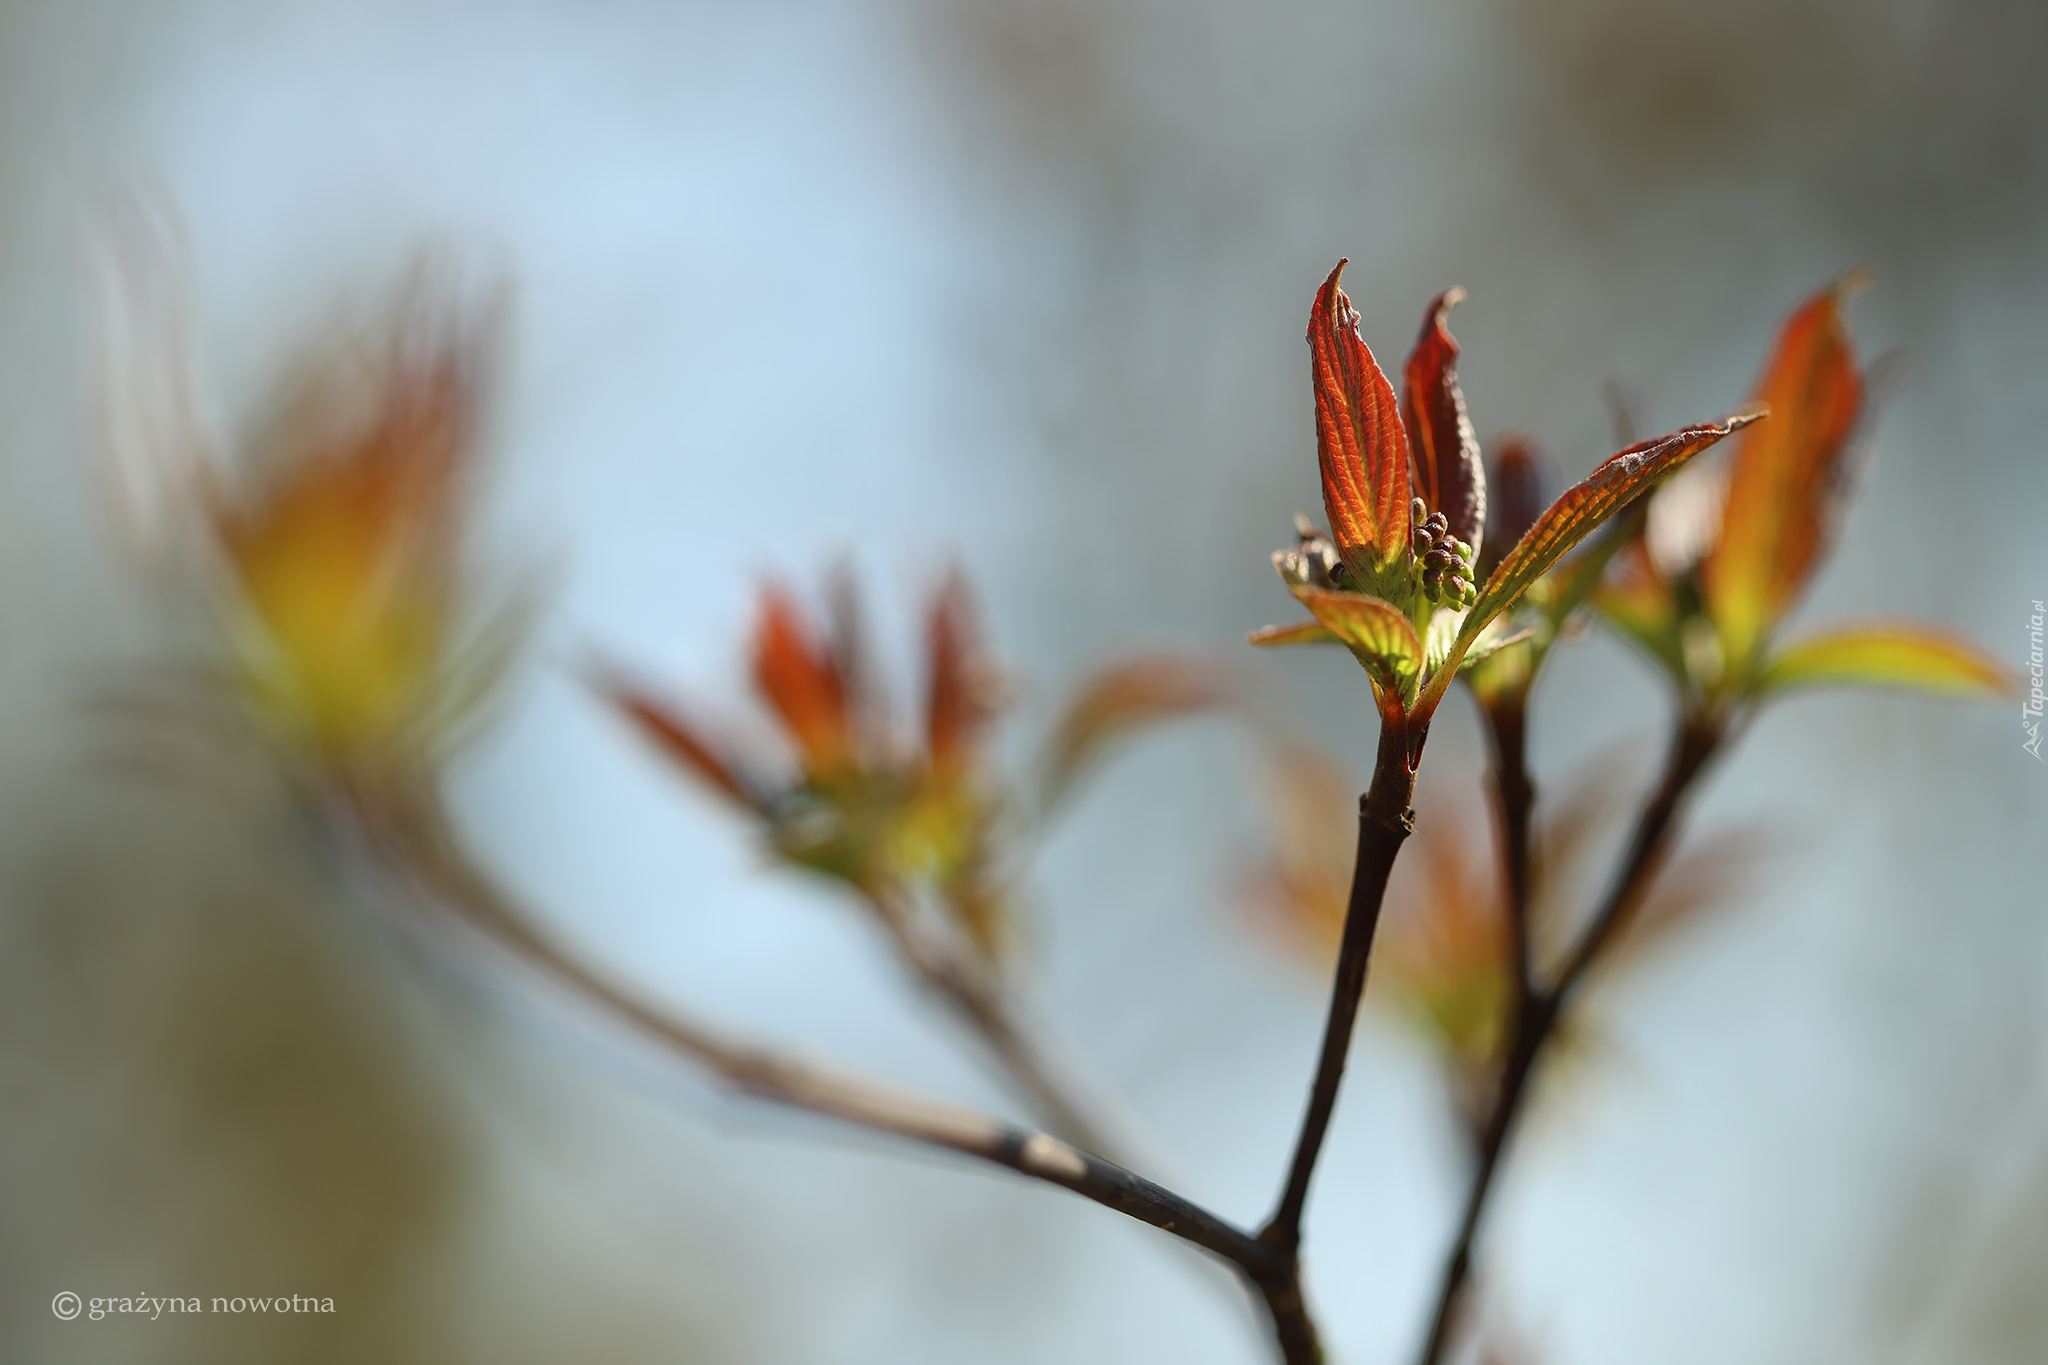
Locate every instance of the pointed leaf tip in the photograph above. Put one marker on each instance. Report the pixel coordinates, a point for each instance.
(798, 676)
(1787, 478)
(1447, 474)
(1360, 445)
(696, 752)
(1905, 655)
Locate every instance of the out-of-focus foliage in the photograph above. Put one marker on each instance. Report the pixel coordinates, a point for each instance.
(902, 818)
(1444, 956)
(1724, 553)
(330, 547)
(853, 796)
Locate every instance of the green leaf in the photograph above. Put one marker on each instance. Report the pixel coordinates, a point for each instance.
(1377, 632)
(1904, 655)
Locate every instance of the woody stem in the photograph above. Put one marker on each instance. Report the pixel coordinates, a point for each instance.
(1384, 823)
(408, 827)
(1539, 1009)
(968, 989)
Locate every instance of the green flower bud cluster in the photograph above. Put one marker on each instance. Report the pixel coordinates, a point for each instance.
(1445, 560)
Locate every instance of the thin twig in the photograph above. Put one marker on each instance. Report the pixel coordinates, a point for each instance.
(1514, 794)
(969, 990)
(1535, 1022)
(413, 831)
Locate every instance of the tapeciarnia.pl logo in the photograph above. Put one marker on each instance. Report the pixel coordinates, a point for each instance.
(2030, 710)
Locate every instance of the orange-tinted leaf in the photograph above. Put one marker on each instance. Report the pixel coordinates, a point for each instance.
(1907, 656)
(1518, 483)
(800, 678)
(1121, 699)
(1382, 638)
(343, 537)
(1581, 510)
(1300, 633)
(698, 754)
(1786, 478)
(962, 694)
(1359, 441)
(1448, 477)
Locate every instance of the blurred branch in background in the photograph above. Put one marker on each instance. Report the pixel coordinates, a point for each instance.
(924, 834)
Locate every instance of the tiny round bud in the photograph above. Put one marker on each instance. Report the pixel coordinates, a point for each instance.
(1422, 540)
(1440, 558)
(1417, 510)
(1437, 523)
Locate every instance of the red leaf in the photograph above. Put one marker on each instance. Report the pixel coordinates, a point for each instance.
(1786, 479)
(1518, 484)
(682, 741)
(1448, 477)
(1359, 441)
(800, 678)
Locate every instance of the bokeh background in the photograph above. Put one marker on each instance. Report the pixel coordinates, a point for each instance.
(1019, 285)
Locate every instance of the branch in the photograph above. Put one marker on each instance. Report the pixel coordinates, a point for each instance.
(1696, 741)
(1539, 1010)
(1379, 842)
(1514, 795)
(979, 1000)
(412, 830)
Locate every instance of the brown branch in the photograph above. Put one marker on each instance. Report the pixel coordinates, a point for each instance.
(1384, 823)
(1539, 1010)
(968, 988)
(1514, 795)
(408, 826)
